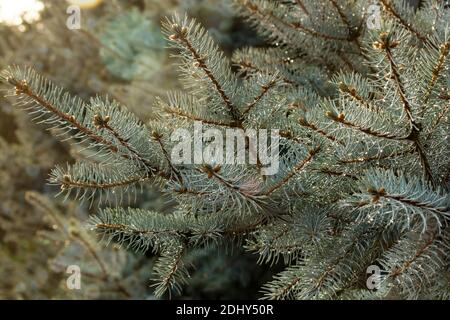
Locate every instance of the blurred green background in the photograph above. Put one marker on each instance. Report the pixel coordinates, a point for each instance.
(119, 52)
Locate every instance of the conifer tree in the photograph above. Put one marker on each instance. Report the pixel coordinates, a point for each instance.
(363, 178)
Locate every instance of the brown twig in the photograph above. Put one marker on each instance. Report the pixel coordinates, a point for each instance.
(294, 170)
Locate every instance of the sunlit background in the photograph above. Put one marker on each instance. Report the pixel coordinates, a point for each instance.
(16, 12)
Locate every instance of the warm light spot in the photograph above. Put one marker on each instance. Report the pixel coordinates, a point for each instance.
(19, 11)
(85, 4)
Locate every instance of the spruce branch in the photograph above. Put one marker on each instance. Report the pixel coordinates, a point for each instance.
(342, 267)
(271, 244)
(377, 157)
(192, 117)
(437, 121)
(171, 274)
(291, 238)
(285, 284)
(140, 229)
(66, 113)
(305, 123)
(399, 200)
(341, 13)
(352, 92)
(413, 264)
(354, 32)
(355, 141)
(264, 90)
(103, 124)
(158, 138)
(152, 230)
(105, 181)
(266, 14)
(391, 10)
(290, 136)
(298, 167)
(52, 99)
(126, 129)
(337, 173)
(188, 108)
(310, 279)
(302, 6)
(193, 39)
(347, 62)
(444, 50)
(387, 44)
(213, 172)
(340, 118)
(427, 172)
(272, 61)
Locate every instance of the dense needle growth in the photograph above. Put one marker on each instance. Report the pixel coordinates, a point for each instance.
(364, 150)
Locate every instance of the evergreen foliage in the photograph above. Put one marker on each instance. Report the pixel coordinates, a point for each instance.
(364, 169)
